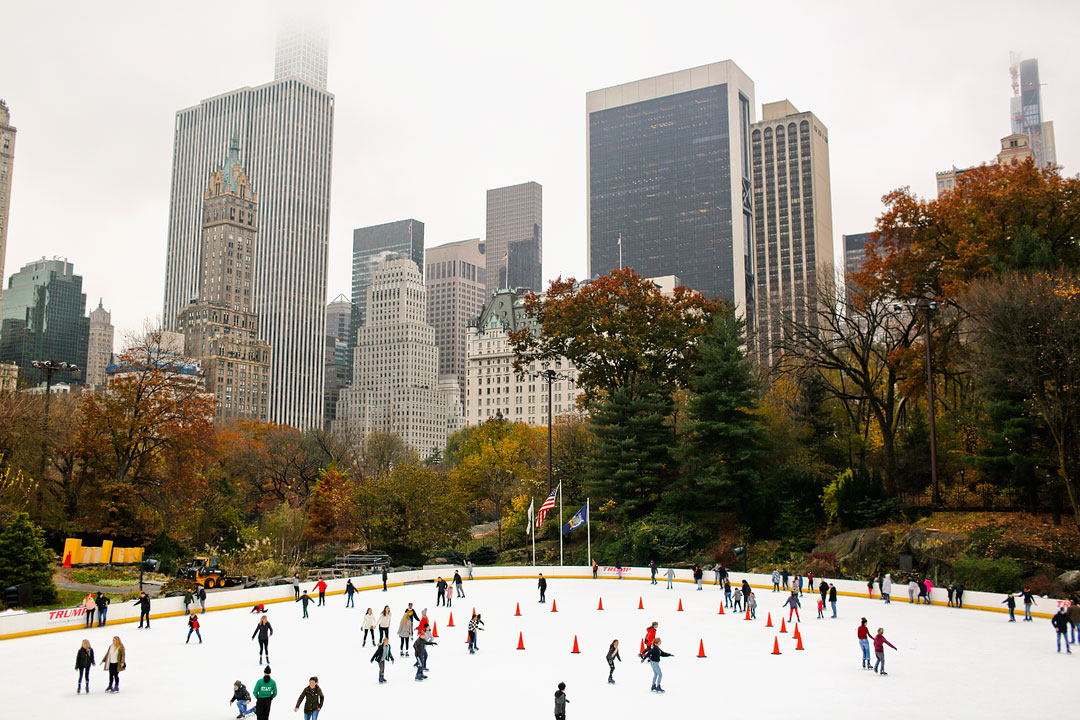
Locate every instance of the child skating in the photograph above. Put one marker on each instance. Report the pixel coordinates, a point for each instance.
(474, 627)
(612, 656)
(241, 697)
(794, 604)
(383, 654)
(560, 702)
(879, 650)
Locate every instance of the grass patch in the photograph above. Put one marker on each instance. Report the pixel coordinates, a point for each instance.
(107, 577)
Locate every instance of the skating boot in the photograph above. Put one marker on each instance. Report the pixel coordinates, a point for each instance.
(659, 689)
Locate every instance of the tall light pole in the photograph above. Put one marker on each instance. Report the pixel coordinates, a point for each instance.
(49, 367)
(928, 306)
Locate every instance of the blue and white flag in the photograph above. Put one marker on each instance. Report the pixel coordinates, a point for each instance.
(579, 519)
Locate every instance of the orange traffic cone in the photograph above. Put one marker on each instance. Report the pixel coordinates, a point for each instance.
(768, 621)
(517, 611)
(783, 626)
(776, 646)
(796, 634)
(554, 608)
(799, 646)
(642, 651)
(521, 642)
(451, 623)
(575, 651)
(67, 560)
(474, 612)
(601, 606)
(434, 629)
(640, 605)
(680, 605)
(721, 609)
(747, 614)
(701, 648)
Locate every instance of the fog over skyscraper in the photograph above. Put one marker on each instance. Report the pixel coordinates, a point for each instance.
(285, 129)
(7, 167)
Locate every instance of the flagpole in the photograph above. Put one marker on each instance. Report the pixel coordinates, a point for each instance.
(620, 251)
(560, 524)
(588, 528)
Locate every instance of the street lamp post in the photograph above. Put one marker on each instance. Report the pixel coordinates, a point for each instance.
(49, 367)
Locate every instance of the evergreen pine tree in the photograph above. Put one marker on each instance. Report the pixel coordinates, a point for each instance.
(631, 459)
(1013, 449)
(25, 558)
(725, 439)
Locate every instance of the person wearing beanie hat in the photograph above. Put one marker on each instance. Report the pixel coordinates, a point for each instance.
(312, 697)
(265, 691)
(241, 697)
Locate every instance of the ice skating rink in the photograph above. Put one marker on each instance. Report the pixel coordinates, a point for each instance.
(950, 663)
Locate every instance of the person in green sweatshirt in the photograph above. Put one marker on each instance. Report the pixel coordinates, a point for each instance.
(265, 691)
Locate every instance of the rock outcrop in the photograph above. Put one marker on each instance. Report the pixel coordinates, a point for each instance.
(859, 551)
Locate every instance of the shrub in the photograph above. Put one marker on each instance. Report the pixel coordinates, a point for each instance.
(24, 558)
(856, 498)
(454, 557)
(483, 555)
(1042, 585)
(999, 575)
(661, 537)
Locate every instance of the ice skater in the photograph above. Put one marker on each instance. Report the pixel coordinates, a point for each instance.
(200, 595)
(824, 590)
(1060, 621)
(258, 608)
(929, 589)
(653, 654)
(1074, 619)
(241, 697)
(949, 592)
(189, 598)
(369, 627)
(304, 601)
(449, 596)
(405, 631)
(350, 590)
(312, 697)
(384, 623)
(265, 691)
(832, 599)
(652, 572)
(542, 584)
(727, 593)
(425, 624)
(469, 566)
(193, 627)
(383, 653)
(295, 582)
(321, 587)
(264, 630)
(116, 662)
(776, 580)
(474, 627)
(864, 644)
(84, 660)
(736, 599)
(1029, 600)
(440, 591)
(1010, 603)
(421, 653)
(912, 588)
(820, 609)
(143, 601)
(89, 605)
(751, 605)
(886, 588)
(793, 604)
(784, 575)
(879, 650)
(612, 656)
(560, 702)
(650, 635)
(959, 590)
(595, 569)
(670, 575)
(459, 588)
(698, 573)
(102, 602)
(810, 581)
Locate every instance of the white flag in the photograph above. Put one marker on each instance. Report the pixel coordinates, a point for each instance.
(529, 520)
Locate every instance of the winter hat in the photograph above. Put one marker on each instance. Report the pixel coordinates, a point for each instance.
(238, 684)
(266, 670)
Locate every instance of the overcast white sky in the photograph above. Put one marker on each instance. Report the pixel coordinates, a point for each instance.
(437, 102)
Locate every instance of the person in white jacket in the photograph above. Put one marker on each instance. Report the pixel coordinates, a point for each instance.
(886, 588)
(384, 624)
(369, 627)
(912, 589)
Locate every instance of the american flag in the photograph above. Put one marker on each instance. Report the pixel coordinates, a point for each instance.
(548, 505)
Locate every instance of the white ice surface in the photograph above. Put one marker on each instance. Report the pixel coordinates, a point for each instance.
(950, 663)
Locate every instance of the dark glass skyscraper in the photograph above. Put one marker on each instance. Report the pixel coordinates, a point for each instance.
(43, 317)
(669, 174)
(373, 245)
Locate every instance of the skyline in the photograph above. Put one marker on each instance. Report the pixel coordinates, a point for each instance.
(429, 134)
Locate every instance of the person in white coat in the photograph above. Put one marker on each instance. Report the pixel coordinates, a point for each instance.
(369, 627)
(912, 589)
(886, 588)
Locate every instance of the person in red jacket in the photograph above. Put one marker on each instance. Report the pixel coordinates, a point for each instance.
(193, 627)
(321, 587)
(864, 643)
(879, 650)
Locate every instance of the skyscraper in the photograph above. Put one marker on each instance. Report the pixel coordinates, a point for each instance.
(99, 350)
(221, 330)
(1027, 112)
(395, 387)
(455, 297)
(793, 248)
(43, 317)
(372, 246)
(7, 167)
(338, 361)
(301, 53)
(285, 128)
(669, 179)
(515, 228)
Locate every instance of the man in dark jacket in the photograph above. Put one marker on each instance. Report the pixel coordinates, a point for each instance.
(143, 601)
(832, 598)
(543, 588)
(201, 594)
(652, 571)
(560, 702)
(440, 591)
(1060, 621)
(958, 592)
(459, 591)
(420, 651)
(102, 603)
(384, 579)
(350, 590)
(311, 696)
(304, 600)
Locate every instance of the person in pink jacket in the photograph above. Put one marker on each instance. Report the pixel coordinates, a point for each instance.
(89, 605)
(879, 650)
(929, 586)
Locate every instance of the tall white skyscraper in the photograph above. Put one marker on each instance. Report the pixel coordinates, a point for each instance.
(455, 296)
(302, 53)
(99, 350)
(396, 387)
(286, 130)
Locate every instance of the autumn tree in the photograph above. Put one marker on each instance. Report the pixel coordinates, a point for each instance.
(383, 451)
(618, 330)
(271, 463)
(331, 509)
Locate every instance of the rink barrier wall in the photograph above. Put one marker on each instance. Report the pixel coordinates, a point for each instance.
(50, 621)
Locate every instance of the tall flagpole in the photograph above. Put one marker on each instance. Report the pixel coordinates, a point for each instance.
(560, 524)
(588, 528)
(620, 251)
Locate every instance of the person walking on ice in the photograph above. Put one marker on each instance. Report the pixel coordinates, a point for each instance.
(369, 627)
(265, 691)
(653, 654)
(864, 644)
(405, 631)
(241, 697)
(751, 605)
(560, 702)
(264, 630)
(383, 653)
(440, 591)
(832, 599)
(421, 654)
(193, 627)
(879, 650)
(542, 584)
(1060, 621)
(449, 596)
(793, 604)
(312, 697)
(84, 660)
(612, 656)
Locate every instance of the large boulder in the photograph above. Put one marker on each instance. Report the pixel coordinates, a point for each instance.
(858, 551)
(1070, 580)
(932, 550)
